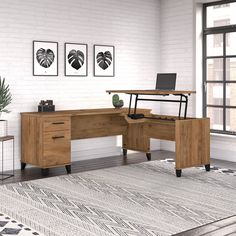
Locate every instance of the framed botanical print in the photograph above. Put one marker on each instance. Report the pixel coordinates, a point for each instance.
(104, 60)
(76, 59)
(45, 58)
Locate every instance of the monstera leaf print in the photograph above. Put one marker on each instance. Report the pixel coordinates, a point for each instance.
(104, 59)
(44, 57)
(76, 58)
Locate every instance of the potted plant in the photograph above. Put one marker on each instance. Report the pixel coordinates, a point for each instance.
(5, 100)
(117, 103)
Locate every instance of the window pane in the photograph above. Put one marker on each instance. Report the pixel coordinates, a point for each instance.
(221, 15)
(215, 69)
(215, 45)
(214, 94)
(231, 119)
(231, 69)
(231, 94)
(231, 43)
(216, 117)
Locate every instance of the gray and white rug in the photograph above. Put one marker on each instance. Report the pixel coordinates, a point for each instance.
(142, 199)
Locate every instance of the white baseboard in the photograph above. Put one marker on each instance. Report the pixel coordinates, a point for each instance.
(95, 153)
(222, 148)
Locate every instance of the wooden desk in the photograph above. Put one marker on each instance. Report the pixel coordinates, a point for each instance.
(46, 136)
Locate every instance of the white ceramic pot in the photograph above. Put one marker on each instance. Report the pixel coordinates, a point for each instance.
(3, 128)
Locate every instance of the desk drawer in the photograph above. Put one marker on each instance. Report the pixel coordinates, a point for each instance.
(57, 153)
(56, 148)
(56, 136)
(57, 123)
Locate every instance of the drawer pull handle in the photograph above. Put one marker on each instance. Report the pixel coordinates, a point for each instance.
(57, 137)
(58, 123)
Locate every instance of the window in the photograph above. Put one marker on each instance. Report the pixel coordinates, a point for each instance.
(219, 65)
(221, 6)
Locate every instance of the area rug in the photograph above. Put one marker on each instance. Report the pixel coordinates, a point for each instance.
(142, 199)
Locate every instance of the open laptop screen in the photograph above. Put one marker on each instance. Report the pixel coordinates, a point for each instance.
(166, 81)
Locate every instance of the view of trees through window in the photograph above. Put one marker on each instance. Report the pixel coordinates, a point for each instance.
(219, 66)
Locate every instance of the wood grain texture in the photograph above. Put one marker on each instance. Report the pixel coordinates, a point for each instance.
(29, 140)
(42, 140)
(152, 92)
(56, 123)
(98, 125)
(136, 138)
(46, 137)
(160, 129)
(85, 112)
(56, 153)
(192, 142)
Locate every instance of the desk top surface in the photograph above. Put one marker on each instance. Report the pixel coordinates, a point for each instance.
(84, 112)
(152, 92)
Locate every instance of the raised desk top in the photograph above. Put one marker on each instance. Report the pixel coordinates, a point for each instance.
(152, 92)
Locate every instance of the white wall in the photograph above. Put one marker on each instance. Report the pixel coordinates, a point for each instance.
(132, 26)
(177, 52)
(181, 49)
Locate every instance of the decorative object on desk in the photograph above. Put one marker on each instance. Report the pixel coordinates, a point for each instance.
(46, 106)
(104, 60)
(116, 102)
(76, 59)
(45, 58)
(5, 100)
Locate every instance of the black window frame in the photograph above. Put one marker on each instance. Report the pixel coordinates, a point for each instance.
(210, 31)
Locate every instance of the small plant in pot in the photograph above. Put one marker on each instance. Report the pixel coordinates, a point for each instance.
(5, 100)
(117, 103)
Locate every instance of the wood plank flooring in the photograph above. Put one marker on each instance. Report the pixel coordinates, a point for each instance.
(219, 228)
(226, 226)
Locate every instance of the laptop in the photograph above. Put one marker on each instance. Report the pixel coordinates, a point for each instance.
(166, 81)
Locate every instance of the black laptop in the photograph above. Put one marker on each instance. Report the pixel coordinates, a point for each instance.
(166, 81)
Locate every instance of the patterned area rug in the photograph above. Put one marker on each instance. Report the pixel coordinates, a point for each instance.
(9, 226)
(142, 199)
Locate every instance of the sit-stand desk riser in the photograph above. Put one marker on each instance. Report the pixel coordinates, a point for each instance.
(182, 94)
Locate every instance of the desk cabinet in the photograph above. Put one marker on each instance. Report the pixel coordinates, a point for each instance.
(46, 142)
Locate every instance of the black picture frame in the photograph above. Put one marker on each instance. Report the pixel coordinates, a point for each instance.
(45, 65)
(77, 64)
(103, 64)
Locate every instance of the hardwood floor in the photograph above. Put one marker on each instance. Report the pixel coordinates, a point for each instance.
(219, 228)
(226, 226)
(85, 165)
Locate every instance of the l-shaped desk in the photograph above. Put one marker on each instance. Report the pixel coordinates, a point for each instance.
(46, 136)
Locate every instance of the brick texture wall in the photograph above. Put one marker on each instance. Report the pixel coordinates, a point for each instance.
(132, 26)
(177, 47)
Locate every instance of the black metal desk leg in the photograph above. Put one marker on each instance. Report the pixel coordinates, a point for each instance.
(136, 101)
(68, 169)
(178, 173)
(130, 103)
(180, 105)
(208, 167)
(124, 152)
(186, 107)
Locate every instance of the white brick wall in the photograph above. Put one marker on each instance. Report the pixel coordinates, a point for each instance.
(181, 52)
(177, 44)
(177, 52)
(132, 26)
